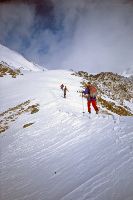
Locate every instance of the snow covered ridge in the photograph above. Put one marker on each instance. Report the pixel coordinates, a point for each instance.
(58, 153)
(15, 60)
(115, 92)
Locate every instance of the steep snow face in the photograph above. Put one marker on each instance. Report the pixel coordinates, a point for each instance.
(64, 155)
(15, 60)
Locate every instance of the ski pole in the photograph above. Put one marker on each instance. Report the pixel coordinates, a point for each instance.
(83, 104)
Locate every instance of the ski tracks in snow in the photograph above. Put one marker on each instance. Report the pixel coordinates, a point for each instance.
(95, 179)
(66, 155)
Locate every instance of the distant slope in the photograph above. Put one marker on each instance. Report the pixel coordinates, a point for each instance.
(15, 60)
(128, 72)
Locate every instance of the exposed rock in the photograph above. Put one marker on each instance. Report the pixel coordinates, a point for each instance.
(13, 113)
(6, 70)
(114, 86)
(27, 125)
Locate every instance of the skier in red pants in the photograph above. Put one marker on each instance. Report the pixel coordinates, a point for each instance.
(90, 93)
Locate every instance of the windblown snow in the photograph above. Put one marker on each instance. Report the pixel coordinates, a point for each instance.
(64, 155)
(15, 60)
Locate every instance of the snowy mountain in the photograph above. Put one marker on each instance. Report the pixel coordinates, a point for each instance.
(14, 60)
(51, 150)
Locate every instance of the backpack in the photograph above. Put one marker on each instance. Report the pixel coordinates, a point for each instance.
(93, 91)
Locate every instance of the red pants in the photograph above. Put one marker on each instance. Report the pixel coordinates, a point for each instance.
(94, 104)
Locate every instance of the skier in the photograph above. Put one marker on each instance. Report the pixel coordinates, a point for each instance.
(90, 93)
(65, 90)
(62, 86)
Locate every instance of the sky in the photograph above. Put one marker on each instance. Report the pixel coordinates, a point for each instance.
(88, 35)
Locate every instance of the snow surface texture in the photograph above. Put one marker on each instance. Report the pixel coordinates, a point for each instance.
(64, 155)
(15, 60)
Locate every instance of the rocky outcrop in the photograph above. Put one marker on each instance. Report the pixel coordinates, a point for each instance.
(9, 116)
(6, 70)
(111, 86)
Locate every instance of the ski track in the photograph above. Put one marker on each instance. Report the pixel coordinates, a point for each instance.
(65, 155)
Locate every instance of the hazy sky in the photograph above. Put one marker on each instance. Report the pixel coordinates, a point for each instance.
(91, 35)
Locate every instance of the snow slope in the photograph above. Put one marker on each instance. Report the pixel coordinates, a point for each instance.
(15, 60)
(128, 72)
(64, 155)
